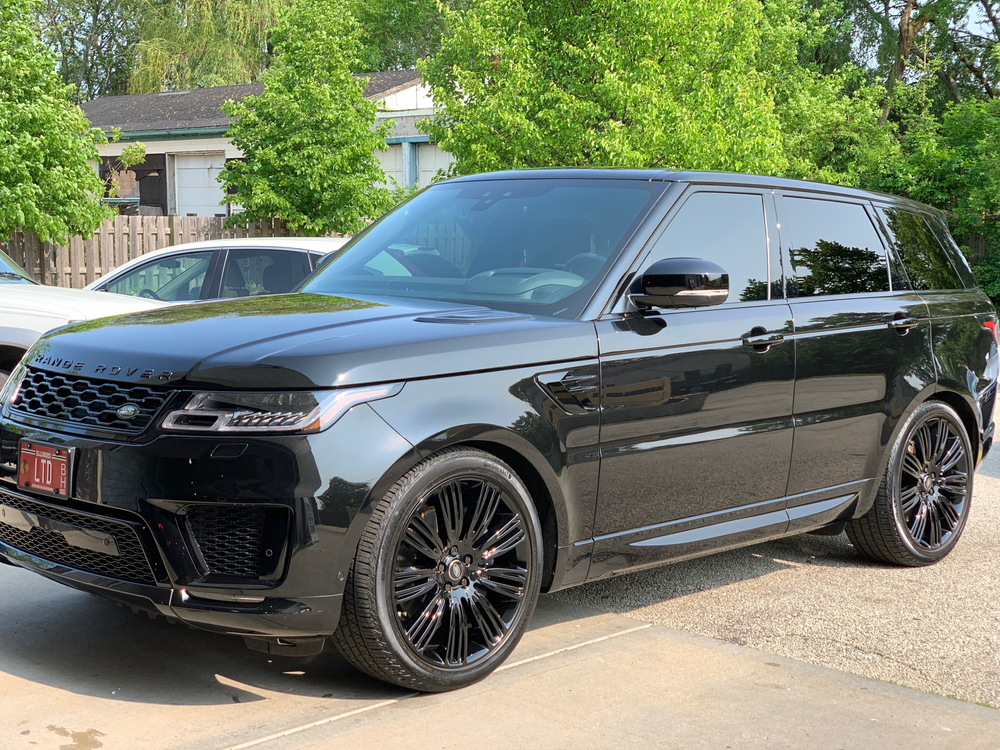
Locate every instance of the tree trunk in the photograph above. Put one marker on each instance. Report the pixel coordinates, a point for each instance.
(909, 26)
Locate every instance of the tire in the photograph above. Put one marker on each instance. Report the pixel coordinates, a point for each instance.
(4, 376)
(922, 503)
(416, 612)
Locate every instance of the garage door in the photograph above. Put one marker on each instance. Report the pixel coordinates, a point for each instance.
(392, 164)
(431, 159)
(198, 191)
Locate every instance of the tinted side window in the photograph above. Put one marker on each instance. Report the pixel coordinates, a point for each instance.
(253, 272)
(833, 248)
(940, 229)
(727, 229)
(923, 257)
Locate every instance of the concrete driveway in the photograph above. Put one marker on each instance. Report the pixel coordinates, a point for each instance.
(813, 598)
(77, 673)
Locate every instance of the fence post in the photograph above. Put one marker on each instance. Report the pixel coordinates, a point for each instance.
(977, 245)
(63, 273)
(133, 237)
(118, 241)
(78, 249)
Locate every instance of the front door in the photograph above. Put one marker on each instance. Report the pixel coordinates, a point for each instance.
(696, 404)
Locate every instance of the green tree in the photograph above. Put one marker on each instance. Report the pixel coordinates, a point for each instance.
(901, 42)
(397, 33)
(953, 163)
(193, 43)
(46, 184)
(310, 138)
(94, 43)
(828, 111)
(644, 83)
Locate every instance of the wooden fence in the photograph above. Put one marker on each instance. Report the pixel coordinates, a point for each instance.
(86, 259)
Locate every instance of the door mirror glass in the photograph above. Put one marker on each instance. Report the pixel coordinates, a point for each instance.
(681, 282)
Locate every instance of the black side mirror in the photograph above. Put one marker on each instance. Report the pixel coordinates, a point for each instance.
(681, 282)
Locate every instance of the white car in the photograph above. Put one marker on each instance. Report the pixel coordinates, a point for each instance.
(29, 309)
(219, 269)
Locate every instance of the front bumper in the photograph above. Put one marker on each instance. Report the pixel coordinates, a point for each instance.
(307, 495)
(271, 618)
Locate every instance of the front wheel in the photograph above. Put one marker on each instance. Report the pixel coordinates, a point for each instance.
(446, 574)
(923, 501)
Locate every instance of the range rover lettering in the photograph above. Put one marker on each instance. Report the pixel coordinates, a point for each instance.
(511, 384)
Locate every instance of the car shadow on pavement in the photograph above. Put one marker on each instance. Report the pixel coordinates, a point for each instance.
(77, 642)
(69, 640)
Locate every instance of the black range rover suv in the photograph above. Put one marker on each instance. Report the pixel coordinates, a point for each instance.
(513, 383)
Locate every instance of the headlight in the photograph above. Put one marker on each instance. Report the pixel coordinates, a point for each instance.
(12, 386)
(302, 411)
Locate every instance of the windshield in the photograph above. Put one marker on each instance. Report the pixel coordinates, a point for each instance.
(532, 245)
(11, 273)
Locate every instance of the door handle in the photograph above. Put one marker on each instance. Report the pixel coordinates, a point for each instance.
(761, 340)
(901, 323)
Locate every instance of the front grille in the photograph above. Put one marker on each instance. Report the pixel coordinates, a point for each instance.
(130, 565)
(988, 399)
(230, 538)
(95, 403)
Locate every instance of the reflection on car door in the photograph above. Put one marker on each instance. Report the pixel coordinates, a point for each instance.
(862, 351)
(696, 423)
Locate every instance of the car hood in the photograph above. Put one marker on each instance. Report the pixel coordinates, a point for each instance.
(69, 304)
(308, 341)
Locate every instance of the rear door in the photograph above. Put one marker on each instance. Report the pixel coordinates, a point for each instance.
(696, 419)
(965, 349)
(862, 344)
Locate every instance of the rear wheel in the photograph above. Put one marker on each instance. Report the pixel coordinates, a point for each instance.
(446, 575)
(923, 501)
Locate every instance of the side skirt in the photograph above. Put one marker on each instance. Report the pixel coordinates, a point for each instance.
(636, 549)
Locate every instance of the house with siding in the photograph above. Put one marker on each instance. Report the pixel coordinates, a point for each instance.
(187, 146)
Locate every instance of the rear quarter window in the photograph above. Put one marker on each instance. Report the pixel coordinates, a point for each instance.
(940, 229)
(925, 260)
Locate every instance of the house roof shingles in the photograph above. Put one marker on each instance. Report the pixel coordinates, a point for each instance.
(200, 108)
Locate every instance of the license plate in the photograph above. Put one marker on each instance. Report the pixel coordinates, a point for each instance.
(44, 468)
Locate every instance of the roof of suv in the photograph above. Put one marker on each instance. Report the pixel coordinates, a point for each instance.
(705, 178)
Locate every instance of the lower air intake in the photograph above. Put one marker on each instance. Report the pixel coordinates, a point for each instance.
(230, 539)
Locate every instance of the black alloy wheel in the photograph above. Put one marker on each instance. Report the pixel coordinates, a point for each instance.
(461, 572)
(934, 478)
(446, 575)
(923, 502)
